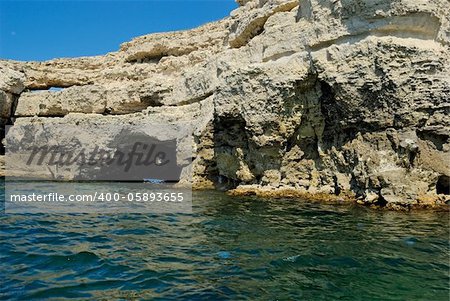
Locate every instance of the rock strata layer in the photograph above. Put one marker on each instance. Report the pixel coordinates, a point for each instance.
(346, 98)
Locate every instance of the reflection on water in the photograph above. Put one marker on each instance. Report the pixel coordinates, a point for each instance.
(229, 248)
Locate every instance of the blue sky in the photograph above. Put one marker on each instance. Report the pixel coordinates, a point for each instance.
(41, 30)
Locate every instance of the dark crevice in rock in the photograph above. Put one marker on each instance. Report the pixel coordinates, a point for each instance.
(437, 139)
(194, 100)
(335, 134)
(337, 189)
(155, 59)
(229, 135)
(9, 121)
(154, 56)
(13, 109)
(225, 183)
(355, 187)
(381, 201)
(344, 122)
(443, 185)
(151, 100)
(108, 111)
(279, 56)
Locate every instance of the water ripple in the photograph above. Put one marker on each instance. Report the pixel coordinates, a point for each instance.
(228, 249)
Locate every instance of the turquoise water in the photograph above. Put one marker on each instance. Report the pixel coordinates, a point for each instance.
(228, 249)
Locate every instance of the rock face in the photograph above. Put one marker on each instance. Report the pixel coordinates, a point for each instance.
(348, 98)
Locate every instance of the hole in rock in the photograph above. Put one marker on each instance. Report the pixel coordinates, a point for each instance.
(55, 89)
(442, 185)
(51, 89)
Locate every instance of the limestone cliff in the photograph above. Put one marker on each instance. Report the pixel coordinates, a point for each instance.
(347, 98)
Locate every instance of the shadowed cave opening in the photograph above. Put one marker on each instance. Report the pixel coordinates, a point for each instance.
(443, 185)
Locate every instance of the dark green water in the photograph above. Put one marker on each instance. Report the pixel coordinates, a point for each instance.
(228, 249)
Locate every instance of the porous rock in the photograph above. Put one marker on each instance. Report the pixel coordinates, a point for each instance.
(342, 98)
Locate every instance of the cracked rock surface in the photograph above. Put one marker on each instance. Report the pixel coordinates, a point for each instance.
(342, 98)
